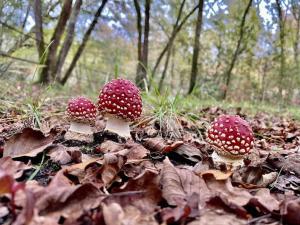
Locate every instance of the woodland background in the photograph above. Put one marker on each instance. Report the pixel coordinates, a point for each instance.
(238, 50)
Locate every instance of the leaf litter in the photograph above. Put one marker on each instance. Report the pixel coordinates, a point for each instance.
(155, 178)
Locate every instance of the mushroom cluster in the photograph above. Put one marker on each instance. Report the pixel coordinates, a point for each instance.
(232, 138)
(119, 100)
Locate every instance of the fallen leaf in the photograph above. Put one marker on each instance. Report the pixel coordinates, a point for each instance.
(218, 175)
(64, 155)
(179, 184)
(236, 198)
(136, 151)
(189, 152)
(289, 210)
(158, 144)
(62, 198)
(27, 143)
(218, 217)
(147, 185)
(14, 168)
(109, 146)
(253, 177)
(285, 161)
(6, 182)
(114, 214)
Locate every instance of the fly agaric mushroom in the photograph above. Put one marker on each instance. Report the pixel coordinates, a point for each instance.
(232, 138)
(120, 101)
(82, 113)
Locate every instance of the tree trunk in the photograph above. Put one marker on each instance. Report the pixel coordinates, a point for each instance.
(141, 75)
(39, 36)
(194, 70)
(176, 28)
(83, 43)
(282, 52)
(164, 73)
(296, 14)
(236, 52)
(138, 80)
(69, 38)
(47, 72)
(263, 82)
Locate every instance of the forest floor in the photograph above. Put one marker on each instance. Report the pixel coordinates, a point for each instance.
(163, 175)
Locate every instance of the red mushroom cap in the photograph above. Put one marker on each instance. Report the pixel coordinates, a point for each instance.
(81, 109)
(231, 136)
(121, 98)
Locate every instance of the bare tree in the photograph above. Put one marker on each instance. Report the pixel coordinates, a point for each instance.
(237, 50)
(296, 15)
(47, 72)
(282, 50)
(141, 74)
(69, 38)
(39, 36)
(194, 70)
(83, 43)
(176, 29)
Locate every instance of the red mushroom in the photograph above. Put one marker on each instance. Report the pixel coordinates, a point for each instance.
(120, 101)
(232, 139)
(82, 113)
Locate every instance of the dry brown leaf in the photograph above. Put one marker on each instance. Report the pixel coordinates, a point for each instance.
(136, 151)
(218, 217)
(110, 146)
(218, 175)
(114, 214)
(158, 144)
(253, 177)
(179, 184)
(61, 198)
(27, 143)
(64, 155)
(6, 182)
(190, 152)
(239, 197)
(14, 168)
(290, 209)
(107, 173)
(147, 185)
(285, 161)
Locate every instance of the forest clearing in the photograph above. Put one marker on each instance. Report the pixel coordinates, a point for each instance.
(150, 112)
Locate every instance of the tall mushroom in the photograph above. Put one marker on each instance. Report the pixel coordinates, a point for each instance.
(120, 101)
(82, 113)
(232, 138)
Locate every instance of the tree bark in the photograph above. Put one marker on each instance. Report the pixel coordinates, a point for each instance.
(296, 15)
(39, 36)
(47, 72)
(69, 38)
(163, 75)
(194, 70)
(282, 52)
(237, 51)
(176, 29)
(139, 45)
(141, 74)
(83, 43)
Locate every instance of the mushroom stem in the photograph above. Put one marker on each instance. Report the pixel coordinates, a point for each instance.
(118, 126)
(83, 128)
(228, 161)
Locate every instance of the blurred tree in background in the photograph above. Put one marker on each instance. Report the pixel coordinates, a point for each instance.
(241, 50)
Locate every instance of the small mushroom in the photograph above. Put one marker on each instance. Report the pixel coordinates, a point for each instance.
(82, 113)
(120, 101)
(232, 139)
